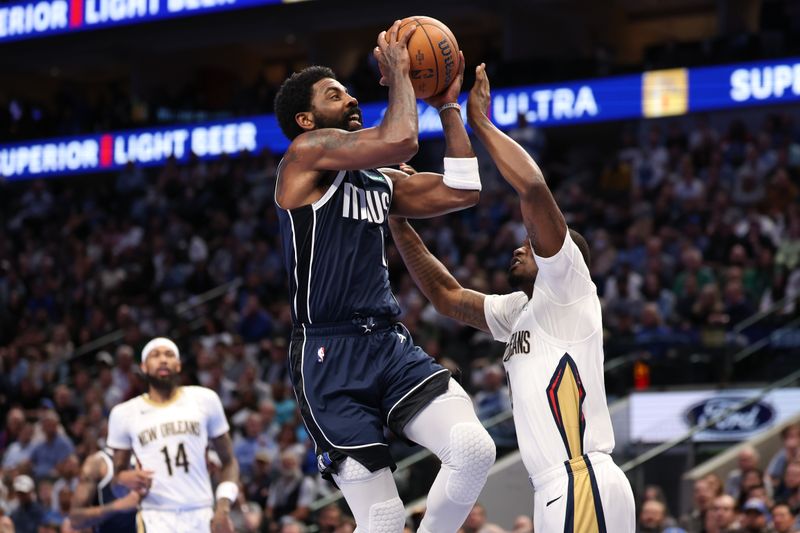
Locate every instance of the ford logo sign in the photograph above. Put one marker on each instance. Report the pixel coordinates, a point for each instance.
(750, 418)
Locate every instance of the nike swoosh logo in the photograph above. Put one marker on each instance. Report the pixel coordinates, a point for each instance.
(551, 501)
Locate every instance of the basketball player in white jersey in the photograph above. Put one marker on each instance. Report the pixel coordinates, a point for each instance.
(554, 346)
(168, 430)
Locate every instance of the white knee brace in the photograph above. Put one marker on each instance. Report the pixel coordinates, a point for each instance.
(472, 453)
(387, 517)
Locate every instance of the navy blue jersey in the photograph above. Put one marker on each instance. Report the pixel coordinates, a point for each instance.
(117, 523)
(334, 251)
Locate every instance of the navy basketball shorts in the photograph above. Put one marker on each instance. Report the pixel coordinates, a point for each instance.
(352, 380)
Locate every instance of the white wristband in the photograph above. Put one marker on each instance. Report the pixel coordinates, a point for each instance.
(228, 490)
(462, 173)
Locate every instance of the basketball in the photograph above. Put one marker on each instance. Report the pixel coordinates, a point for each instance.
(434, 55)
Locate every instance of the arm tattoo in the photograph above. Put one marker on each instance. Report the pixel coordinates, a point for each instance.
(333, 140)
(469, 310)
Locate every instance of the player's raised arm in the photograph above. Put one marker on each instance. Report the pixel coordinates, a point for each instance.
(434, 280)
(543, 219)
(327, 134)
(82, 514)
(428, 194)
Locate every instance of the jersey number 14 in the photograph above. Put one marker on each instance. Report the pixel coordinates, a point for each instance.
(180, 459)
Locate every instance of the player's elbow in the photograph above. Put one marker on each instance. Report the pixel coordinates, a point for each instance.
(466, 198)
(534, 188)
(445, 301)
(407, 147)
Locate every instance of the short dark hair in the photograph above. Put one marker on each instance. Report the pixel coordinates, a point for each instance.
(294, 97)
(583, 246)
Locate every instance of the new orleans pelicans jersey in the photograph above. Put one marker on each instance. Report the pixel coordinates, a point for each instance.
(554, 362)
(171, 440)
(334, 251)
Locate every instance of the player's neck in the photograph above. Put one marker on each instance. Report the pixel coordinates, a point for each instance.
(162, 395)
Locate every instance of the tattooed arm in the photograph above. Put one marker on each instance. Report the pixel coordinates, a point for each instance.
(320, 149)
(82, 514)
(436, 283)
(542, 217)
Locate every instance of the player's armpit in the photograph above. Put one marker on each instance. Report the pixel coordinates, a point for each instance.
(424, 195)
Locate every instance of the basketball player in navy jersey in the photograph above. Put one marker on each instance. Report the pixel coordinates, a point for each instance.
(98, 504)
(355, 369)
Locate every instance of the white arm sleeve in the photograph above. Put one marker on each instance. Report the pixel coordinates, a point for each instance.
(118, 435)
(217, 422)
(502, 311)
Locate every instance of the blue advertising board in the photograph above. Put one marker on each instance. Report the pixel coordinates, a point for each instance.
(651, 94)
(41, 18)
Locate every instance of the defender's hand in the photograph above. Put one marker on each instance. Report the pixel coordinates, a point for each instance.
(392, 53)
(136, 480)
(221, 523)
(453, 90)
(479, 97)
(127, 503)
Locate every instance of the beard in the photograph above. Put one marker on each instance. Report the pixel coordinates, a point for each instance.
(162, 384)
(518, 281)
(340, 123)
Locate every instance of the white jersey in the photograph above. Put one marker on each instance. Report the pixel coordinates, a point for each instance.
(554, 362)
(171, 440)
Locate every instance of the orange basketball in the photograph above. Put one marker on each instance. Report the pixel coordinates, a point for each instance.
(434, 55)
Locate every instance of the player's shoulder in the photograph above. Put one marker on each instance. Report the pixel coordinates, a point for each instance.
(127, 407)
(197, 392)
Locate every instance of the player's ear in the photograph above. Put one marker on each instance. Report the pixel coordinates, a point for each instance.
(179, 366)
(305, 120)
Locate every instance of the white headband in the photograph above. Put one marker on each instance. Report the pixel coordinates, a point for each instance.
(160, 342)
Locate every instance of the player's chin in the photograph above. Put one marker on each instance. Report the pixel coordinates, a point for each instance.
(354, 125)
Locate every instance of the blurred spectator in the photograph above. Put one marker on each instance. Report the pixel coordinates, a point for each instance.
(476, 522)
(28, 513)
(522, 524)
(783, 518)
(790, 435)
(20, 450)
(291, 493)
(493, 399)
(702, 498)
(755, 517)
(55, 447)
(329, 518)
(788, 491)
(723, 515)
(747, 459)
(652, 517)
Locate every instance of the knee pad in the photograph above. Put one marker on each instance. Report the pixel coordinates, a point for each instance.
(472, 451)
(387, 517)
(351, 471)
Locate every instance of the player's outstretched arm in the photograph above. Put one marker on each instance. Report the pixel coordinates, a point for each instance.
(228, 488)
(428, 194)
(543, 219)
(82, 515)
(434, 280)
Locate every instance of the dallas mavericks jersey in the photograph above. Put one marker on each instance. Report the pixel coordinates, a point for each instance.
(119, 522)
(334, 251)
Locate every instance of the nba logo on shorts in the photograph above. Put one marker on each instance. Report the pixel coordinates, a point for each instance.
(321, 354)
